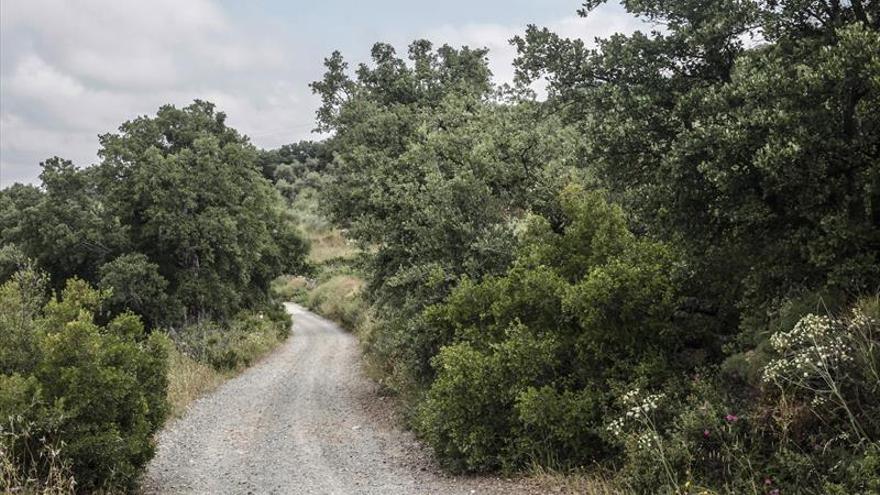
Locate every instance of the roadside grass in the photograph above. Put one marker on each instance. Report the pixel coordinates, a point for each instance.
(204, 355)
(291, 288)
(189, 380)
(339, 299)
(49, 473)
(543, 480)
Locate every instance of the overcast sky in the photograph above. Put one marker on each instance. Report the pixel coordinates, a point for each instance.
(70, 70)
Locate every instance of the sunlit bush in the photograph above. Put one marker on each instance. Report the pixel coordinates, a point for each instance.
(96, 392)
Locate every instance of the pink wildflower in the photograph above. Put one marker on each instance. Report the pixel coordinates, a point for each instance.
(731, 418)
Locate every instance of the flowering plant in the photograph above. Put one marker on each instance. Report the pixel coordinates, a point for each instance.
(826, 360)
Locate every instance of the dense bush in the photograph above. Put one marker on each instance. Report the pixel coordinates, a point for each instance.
(744, 132)
(134, 284)
(811, 427)
(97, 392)
(537, 351)
(666, 330)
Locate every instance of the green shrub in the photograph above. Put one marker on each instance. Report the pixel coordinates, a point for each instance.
(811, 427)
(98, 391)
(136, 285)
(467, 415)
(533, 353)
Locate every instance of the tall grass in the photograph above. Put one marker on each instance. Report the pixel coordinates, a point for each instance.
(329, 245)
(189, 380)
(543, 480)
(339, 299)
(44, 471)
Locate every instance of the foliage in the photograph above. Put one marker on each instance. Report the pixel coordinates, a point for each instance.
(249, 336)
(813, 429)
(189, 190)
(744, 132)
(428, 170)
(660, 268)
(61, 225)
(96, 391)
(134, 284)
(294, 168)
(538, 348)
(729, 188)
(177, 207)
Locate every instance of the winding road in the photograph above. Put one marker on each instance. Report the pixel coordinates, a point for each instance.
(303, 420)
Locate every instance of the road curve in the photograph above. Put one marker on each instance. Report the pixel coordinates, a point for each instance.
(303, 420)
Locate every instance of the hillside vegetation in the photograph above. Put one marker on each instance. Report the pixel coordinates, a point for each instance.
(666, 273)
(663, 277)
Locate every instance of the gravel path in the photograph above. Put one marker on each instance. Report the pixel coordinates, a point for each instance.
(303, 420)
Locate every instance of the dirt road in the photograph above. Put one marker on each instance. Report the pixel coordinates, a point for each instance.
(304, 420)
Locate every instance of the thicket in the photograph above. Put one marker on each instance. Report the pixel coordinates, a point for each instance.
(90, 393)
(166, 247)
(668, 268)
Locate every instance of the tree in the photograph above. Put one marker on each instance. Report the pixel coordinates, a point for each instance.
(431, 166)
(63, 226)
(759, 158)
(188, 189)
(134, 284)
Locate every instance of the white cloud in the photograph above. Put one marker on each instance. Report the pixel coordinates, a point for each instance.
(72, 70)
(601, 23)
(34, 78)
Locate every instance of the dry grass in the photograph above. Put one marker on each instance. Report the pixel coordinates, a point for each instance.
(339, 299)
(542, 480)
(290, 288)
(54, 477)
(188, 380)
(329, 245)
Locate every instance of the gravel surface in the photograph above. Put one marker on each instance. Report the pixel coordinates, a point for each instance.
(303, 420)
